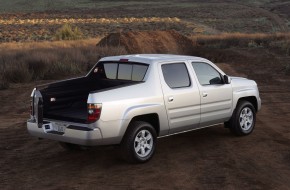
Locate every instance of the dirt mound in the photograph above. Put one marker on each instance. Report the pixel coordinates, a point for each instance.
(150, 42)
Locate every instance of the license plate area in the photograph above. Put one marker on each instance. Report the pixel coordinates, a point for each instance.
(56, 128)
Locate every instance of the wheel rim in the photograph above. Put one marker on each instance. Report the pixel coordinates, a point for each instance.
(143, 143)
(246, 119)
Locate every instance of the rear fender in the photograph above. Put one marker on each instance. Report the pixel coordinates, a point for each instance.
(145, 109)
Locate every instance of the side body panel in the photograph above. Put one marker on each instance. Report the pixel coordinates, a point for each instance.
(182, 104)
(216, 100)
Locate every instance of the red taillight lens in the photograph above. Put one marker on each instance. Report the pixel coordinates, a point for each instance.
(94, 112)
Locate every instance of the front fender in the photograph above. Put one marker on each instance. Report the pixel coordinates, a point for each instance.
(243, 93)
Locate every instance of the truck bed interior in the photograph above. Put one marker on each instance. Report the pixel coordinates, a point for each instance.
(67, 100)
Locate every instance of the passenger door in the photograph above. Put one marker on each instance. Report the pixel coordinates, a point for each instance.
(216, 96)
(181, 96)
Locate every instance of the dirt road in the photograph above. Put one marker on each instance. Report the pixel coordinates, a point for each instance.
(210, 158)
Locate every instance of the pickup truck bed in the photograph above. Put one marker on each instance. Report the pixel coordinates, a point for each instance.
(67, 100)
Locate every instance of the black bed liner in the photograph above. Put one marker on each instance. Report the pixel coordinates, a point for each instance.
(78, 115)
(71, 97)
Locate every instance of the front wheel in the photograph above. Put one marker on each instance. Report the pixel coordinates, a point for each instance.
(243, 119)
(138, 145)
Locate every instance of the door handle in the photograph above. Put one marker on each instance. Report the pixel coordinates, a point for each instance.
(204, 94)
(170, 99)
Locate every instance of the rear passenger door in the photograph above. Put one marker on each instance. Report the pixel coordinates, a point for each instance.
(181, 96)
(216, 96)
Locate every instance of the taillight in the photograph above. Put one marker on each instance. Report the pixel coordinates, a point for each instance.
(94, 112)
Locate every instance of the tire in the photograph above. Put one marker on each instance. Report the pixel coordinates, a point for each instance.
(72, 147)
(243, 119)
(139, 142)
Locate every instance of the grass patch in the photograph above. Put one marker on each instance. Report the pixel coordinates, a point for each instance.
(21, 63)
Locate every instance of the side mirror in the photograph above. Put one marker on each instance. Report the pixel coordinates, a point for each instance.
(227, 79)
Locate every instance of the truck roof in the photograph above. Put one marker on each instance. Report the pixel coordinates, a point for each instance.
(152, 58)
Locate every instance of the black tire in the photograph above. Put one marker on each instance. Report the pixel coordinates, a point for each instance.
(235, 123)
(128, 144)
(72, 147)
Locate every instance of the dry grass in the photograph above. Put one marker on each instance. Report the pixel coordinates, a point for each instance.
(61, 21)
(227, 40)
(25, 62)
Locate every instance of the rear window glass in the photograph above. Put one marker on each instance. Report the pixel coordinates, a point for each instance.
(125, 71)
(111, 70)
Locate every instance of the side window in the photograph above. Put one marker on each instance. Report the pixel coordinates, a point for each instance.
(206, 74)
(176, 75)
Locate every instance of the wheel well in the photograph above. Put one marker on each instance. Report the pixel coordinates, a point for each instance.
(152, 118)
(251, 99)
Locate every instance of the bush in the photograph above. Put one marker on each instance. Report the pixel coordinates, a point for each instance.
(66, 32)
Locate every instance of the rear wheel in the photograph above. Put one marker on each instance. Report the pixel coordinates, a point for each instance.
(243, 119)
(138, 145)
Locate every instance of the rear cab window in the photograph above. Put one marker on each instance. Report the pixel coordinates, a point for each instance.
(122, 71)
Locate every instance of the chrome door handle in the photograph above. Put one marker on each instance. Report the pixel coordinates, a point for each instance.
(170, 99)
(204, 94)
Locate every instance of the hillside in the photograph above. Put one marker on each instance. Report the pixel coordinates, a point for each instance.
(27, 20)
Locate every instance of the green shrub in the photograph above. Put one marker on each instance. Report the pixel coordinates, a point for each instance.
(66, 32)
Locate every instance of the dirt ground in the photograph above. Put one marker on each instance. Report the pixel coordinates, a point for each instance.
(209, 158)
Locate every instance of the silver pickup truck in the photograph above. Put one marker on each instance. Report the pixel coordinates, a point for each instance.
(132, 100)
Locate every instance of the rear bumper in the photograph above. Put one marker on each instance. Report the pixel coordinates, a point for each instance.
(71, 134)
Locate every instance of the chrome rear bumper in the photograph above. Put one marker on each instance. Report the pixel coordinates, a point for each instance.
(69, 133)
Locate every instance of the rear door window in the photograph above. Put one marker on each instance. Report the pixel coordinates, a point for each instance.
(176, 75)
